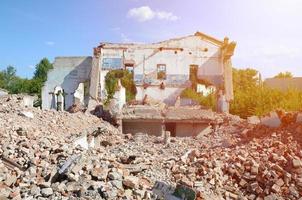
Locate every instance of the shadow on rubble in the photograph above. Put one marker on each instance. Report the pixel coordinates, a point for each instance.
(100, 112)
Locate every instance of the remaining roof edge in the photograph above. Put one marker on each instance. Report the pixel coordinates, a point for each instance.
(63, 57)
(210, 38)
(200, 34)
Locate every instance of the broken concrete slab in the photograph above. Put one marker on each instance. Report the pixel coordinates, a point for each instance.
(204, 132)
(27, 114)
(272, 120)
(131, 182)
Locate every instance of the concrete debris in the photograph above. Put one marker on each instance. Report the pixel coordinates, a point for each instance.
(271, 120)
(253, 120)
(237, 160)
(27, 114)
(205, 131)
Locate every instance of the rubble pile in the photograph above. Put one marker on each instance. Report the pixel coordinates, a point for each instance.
(58, 155)
(266, 168)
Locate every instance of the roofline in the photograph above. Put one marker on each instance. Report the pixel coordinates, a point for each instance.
(210, 38)
(60, 57)
(198, 33)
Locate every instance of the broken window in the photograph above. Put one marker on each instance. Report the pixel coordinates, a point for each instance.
(130, 69)
(112, 63)
(161, 72)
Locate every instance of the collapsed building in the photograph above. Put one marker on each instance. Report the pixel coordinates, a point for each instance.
(160, 70)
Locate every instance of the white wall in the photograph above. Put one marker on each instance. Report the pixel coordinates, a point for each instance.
(68, 72)
(177, 64)
(168, 95)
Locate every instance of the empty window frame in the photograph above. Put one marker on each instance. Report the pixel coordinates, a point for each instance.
(130, 68)
(161, 72)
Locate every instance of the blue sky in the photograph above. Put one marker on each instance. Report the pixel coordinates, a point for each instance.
(268, 32)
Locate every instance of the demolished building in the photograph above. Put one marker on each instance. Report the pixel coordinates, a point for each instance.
(180, 122)
(160, 70)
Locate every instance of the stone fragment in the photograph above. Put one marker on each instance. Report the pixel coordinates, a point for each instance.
(280, 182)
(131, 182)
(253, 120)
(35, 190)
(297, 163)
(254, 169)
(242, 183)
(276, 188)
(99, 173)
(115, 175)
(271, 120)
(10, 179)
(117, 183)
(27, 114)
(46, 192)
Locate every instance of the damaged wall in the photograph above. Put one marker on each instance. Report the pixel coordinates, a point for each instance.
(150, 128)
(68, 72)
(173, 56)
(189, 129)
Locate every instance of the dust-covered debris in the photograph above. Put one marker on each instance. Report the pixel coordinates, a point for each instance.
(58, 155)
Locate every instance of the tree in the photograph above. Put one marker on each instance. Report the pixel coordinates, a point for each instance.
(251, 97)
(9, 75)
(245, 78)
(15, 84)
(42, 69)
(40, 76)
(2, 82)
(284, 75)
(246, 84)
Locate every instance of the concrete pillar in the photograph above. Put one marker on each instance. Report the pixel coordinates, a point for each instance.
(228, 80)
(94, 77)
(163, 129)
(120, 127)
(167, 137)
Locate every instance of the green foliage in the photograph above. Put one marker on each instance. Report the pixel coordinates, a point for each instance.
(8, 77)
(15, 85)
(42, 69)
(161, 75)
(252, 98)
(111, 81)
(207, 101)
(284, 75)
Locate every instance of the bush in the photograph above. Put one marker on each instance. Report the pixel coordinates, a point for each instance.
(111, 81)
(207, 101)
(252, 98)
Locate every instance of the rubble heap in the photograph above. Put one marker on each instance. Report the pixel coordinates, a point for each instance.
(58, 155)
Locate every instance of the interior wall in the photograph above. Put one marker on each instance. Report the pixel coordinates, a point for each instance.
(189, 129)
(150, 128)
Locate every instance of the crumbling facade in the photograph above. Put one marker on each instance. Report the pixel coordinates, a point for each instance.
(160, 70)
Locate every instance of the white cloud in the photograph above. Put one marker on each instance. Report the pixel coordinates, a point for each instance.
(145, 13)
(31, 67)
(166, 16)
(50, 43)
